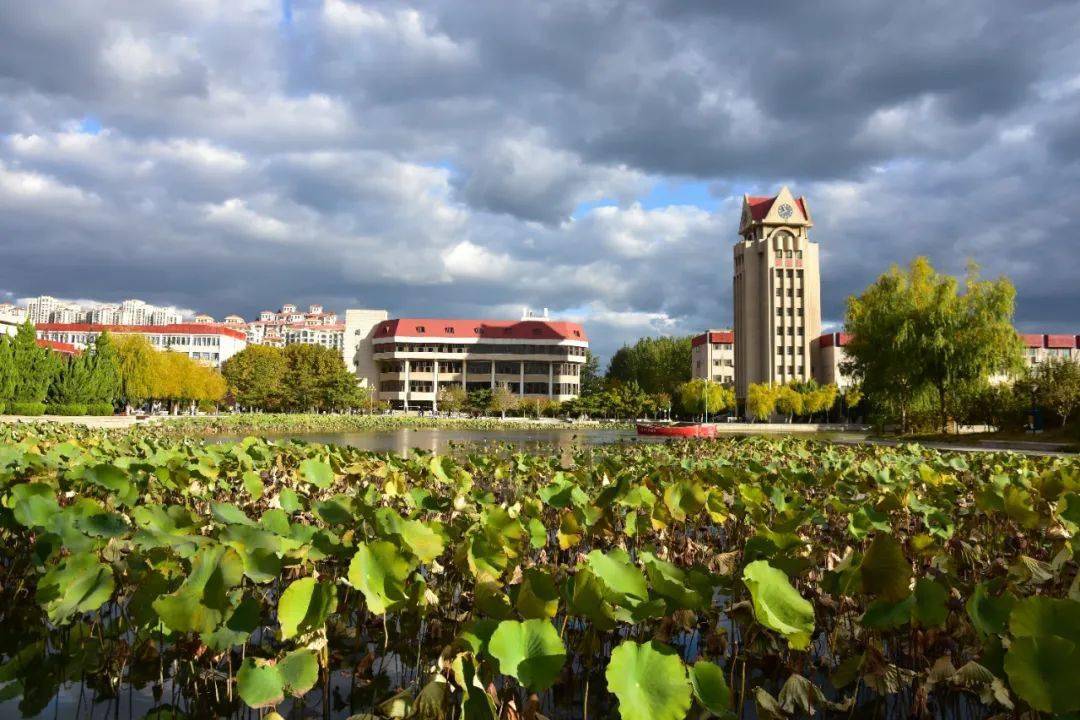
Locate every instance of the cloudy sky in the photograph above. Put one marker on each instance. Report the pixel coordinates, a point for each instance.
(469, 158)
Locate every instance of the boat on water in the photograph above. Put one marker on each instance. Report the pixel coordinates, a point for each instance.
(677, 429)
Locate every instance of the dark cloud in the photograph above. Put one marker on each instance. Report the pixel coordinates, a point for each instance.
(472, 158)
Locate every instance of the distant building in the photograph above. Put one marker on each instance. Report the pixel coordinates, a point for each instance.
(713, 356)
(129, 312)
(408, 360)
(208, 343)
(290, 326)
(1039, 348)
(777, 289)
(202, 319)
(11, 317)
(827, 354)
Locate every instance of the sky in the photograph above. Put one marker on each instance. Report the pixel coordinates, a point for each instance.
(465, 159)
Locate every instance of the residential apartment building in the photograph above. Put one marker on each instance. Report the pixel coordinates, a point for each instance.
(409, 360)
(1041, 347)
(713, 356)
(47, 309)
(777, 291)
(290, 325)
(211, 344)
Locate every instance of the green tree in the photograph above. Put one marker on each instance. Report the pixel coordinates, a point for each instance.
(915, 335)
(316, 379)
(761, 401)
(1058, 387)
(72, 383)
(139, 368)
(477, 402)
(33, 367)
(7, 370)
(502, 400)
(255, 376)
(452, 398)
(659, 364)
(700, 396)
(105, 370)
(789, 401)
(592, 381)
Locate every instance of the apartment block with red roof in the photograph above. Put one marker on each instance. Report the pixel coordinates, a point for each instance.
(713, 356)
(209, 343)
(408, 360)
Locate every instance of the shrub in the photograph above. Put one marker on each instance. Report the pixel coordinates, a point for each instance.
(2, 408)
(66, 408)
(26, 408)
(99, 408)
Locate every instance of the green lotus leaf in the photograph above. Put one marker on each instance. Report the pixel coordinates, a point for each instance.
(1042, 616)
(649, 680)
(337, 510)
(289, 501)
(230, 514)
(201, 603)
(587, 599)
(885, 570)
(684, 589)
(77, 584)
(317, 472)
(930, 608)
(33, 504)
(424, 542)
(112, 479)
(259, 683)
(1043, 671)
(777, 605)
(711, 688)
(304, 606)
(238, 626)
(299, 671)
(537, 597)
(623, 582)
(886, 615)
(530, 651)
(989, 614)
(379, 570)
(253, 484)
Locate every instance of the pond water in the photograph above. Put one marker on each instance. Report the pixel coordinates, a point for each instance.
(403, 440)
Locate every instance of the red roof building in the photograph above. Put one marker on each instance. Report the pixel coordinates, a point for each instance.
(212, 344)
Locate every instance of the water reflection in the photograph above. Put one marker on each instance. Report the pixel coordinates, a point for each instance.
(402, 440)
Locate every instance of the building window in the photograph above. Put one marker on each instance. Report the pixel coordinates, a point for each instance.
(798, 254)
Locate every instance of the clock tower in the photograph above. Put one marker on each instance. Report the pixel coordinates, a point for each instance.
(777, 292)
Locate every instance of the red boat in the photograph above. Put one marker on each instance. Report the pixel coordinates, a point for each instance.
(680, 429)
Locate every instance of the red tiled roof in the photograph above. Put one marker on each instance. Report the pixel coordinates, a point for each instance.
(487, 329)
(1060, 341)
(760, 206)
(1031, 340)
(721, 336)
(177, 328)
(60, 347)
(837, 339)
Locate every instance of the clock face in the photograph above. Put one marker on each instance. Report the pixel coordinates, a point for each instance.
(785, 211)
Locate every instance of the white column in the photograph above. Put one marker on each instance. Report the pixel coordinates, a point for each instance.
(551, 380)
(521, 380)
(493, 375)
(435, 389)
(406, 385)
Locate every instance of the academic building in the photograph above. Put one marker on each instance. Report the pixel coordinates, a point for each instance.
(408, 360)
(210, 344)
(777, 292)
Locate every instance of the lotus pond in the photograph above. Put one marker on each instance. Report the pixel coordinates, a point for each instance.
(147, 576)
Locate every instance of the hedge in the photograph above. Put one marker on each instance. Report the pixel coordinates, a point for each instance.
(26, 408)
(67, 409)
(99, 408)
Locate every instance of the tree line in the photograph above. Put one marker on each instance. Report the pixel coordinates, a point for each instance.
(125, 371)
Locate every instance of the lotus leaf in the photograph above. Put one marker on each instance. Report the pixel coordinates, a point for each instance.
(530, 651)
(649, 680)
(777, 605)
